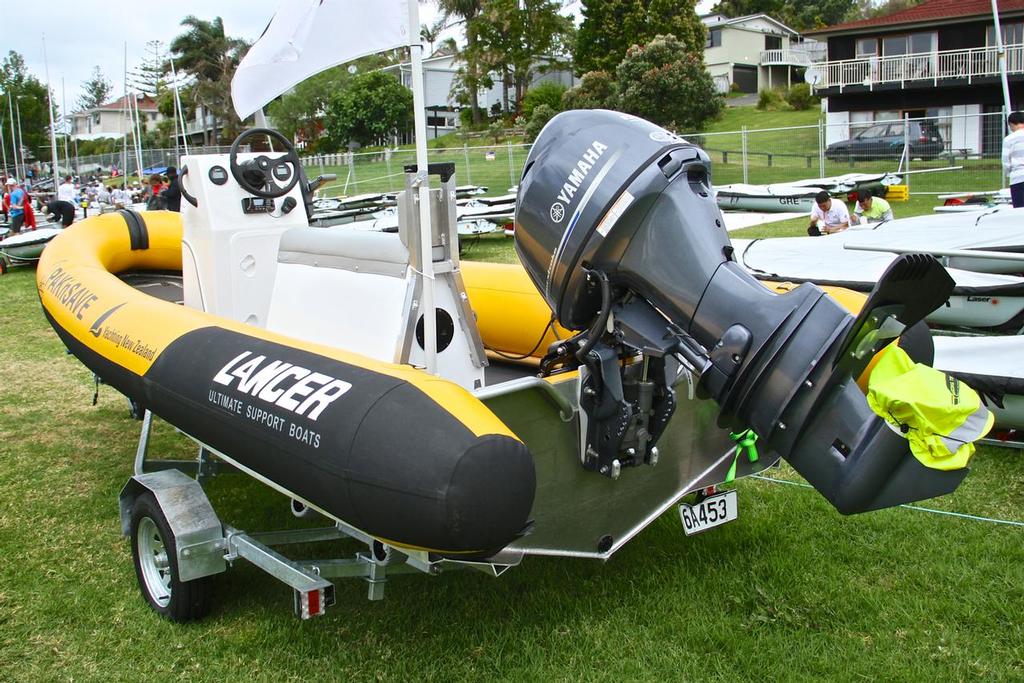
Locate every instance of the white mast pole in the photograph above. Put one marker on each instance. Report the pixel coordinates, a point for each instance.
(123, 125)
(54, 159)
(64, 126)
(426, 239)
(3, 149)
(138, 135)
(177, 104)
(1001, 51)
(14, 138)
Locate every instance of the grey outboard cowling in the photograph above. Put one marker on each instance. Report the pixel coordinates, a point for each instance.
(617, 226)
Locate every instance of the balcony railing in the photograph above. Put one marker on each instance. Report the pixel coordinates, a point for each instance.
(919, 69)
(802, 55)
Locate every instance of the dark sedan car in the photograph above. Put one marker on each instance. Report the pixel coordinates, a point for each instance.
(886, 140)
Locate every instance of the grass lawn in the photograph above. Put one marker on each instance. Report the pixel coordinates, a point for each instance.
(790, 591)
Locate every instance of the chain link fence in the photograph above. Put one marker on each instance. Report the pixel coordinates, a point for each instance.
(496, 167)
(943, 154)
(955, 153)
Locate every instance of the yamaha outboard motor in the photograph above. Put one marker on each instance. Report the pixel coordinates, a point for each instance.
(618, 228)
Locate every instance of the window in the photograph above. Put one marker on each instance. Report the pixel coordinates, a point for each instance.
(714, 38)
(877, 131)
(867, 47)
(1013, 34)
(773, 42)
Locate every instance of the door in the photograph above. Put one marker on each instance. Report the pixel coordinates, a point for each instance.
(745, 78)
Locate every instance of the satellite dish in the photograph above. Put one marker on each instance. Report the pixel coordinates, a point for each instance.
(812, 76)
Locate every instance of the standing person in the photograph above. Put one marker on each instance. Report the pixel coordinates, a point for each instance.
(872, 209)
(172, 195)
(828, 215)
(18, 201)
(153, 200)
(1013, 157)
(103, 194)
(66, 192)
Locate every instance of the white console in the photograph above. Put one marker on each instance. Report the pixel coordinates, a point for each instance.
(231, 237)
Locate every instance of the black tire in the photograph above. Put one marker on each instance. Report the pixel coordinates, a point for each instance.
(157, 568)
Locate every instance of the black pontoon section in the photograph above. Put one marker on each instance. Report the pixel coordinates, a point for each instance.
(618, 228)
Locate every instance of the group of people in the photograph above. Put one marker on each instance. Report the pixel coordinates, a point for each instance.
(830, 215)
(62, 207)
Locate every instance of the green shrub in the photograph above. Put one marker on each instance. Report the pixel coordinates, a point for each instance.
(548, 92)
(772, 100)
(800, 98)
(596, 90)
(541, 115)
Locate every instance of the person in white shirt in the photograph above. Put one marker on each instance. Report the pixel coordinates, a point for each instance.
(1013, 157)
(103, 195)
(66, 191)
(828, 215)
(119, 198)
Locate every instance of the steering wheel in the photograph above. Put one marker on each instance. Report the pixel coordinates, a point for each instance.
(262, 176)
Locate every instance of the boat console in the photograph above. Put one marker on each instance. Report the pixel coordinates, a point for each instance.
(249, 254)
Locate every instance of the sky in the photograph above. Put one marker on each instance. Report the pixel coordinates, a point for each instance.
(82, 34)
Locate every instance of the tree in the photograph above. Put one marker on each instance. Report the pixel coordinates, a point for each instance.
(470, 76)
(148, 77)
(95, 91)
(514, 36)
(665, 83)
(797, 14)
(540, 117)
(611, 27)
(431, 33)
(31, 98)
(596, 90)
(299, 113)
(373, 108)
(210, 57)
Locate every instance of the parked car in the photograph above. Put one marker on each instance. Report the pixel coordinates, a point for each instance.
(886, 140)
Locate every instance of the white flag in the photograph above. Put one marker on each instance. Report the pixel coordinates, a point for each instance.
(306, 37)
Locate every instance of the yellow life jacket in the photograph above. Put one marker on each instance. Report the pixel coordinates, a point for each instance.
(939, 415)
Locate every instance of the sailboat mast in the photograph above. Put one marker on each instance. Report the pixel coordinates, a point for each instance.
(54, 159)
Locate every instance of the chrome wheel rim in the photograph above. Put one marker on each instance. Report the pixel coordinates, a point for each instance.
(154, 562)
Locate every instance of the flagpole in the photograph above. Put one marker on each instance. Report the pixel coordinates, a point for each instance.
(54, 159)
(1001, 55)
(426, 233)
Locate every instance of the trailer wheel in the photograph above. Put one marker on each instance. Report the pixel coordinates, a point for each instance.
(156, 566)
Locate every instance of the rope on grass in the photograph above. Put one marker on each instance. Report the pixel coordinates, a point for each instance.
(947, 513)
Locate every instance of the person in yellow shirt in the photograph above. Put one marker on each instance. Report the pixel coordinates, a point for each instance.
(871, 209)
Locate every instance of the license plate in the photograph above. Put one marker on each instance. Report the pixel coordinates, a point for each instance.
(713, 511)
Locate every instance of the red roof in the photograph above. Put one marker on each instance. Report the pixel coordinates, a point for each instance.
(146, 103)
(930, 11)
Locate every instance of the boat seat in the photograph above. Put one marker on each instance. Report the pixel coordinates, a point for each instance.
(342, 288)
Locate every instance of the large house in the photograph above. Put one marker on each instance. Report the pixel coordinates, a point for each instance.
(111, 120)
(439, 73)
(755, 52)
(937, 59)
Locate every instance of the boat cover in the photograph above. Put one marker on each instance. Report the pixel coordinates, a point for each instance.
(994, 366)
(30, 237)
(823, 260)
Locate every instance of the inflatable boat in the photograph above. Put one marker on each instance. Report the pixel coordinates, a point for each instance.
(27, 245)
(303, 358)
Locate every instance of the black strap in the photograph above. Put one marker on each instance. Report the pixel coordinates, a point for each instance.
(137, 230)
